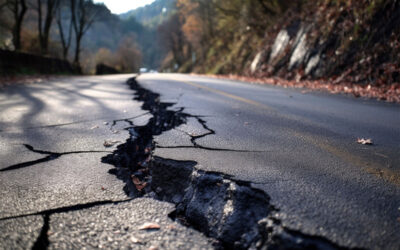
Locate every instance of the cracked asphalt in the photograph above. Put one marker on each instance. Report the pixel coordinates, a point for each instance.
(54, 190)
(297, 148)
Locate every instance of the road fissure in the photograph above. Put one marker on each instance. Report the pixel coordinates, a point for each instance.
(227, 210)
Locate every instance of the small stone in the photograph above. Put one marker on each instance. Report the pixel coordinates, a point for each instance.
(135, 240)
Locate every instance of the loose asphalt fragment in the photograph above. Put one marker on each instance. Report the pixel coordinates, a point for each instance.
(229, 211)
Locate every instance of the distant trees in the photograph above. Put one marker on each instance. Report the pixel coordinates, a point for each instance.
(33, 20)
(126, 58)
(172, 38)
(46, 10)
(214, 29)
(18, 10)
(83, 14)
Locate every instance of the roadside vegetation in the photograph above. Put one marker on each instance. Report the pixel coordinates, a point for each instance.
(335, 45)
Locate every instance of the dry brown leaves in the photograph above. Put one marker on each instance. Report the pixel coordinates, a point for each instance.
(138, 183)
(389, 93)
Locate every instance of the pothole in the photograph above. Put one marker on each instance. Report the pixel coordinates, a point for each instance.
(229, 211)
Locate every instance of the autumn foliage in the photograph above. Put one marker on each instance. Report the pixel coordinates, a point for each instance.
(356, 43)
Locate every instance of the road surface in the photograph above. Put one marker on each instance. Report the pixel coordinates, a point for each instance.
(291, 154)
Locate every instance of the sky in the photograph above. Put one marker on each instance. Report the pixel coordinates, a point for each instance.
(122, 6)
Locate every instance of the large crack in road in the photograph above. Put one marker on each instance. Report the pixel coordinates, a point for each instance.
(227, 210)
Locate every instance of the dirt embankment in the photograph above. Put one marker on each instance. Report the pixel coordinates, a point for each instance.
(340, 46)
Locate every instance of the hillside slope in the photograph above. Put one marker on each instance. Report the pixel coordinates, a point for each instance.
(357, 41)
(342, 42)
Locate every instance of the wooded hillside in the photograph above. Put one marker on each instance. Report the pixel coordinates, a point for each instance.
(339, 41)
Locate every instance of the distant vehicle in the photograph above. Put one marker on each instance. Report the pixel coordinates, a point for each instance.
(143, 70)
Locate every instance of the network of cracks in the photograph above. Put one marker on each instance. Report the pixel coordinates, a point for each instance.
(230, 211)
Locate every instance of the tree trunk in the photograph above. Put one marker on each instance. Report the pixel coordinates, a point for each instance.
(39, 10)
(18, 18)
(51, 7)
(44, 30)
(65, 41)
(77, 50)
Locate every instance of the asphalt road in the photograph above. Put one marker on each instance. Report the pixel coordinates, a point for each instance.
(323, 182)
(64, 197)
(298, 147)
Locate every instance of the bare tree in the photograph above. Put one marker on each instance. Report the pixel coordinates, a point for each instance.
(44, 27)
(84, 13)
(18, 9)
(65, 26)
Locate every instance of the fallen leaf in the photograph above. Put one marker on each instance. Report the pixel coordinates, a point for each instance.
(102, 188)
(135, 180)
(149, 226)
(109, 143)
(364, 141)
(138, 184)
(140, 187)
